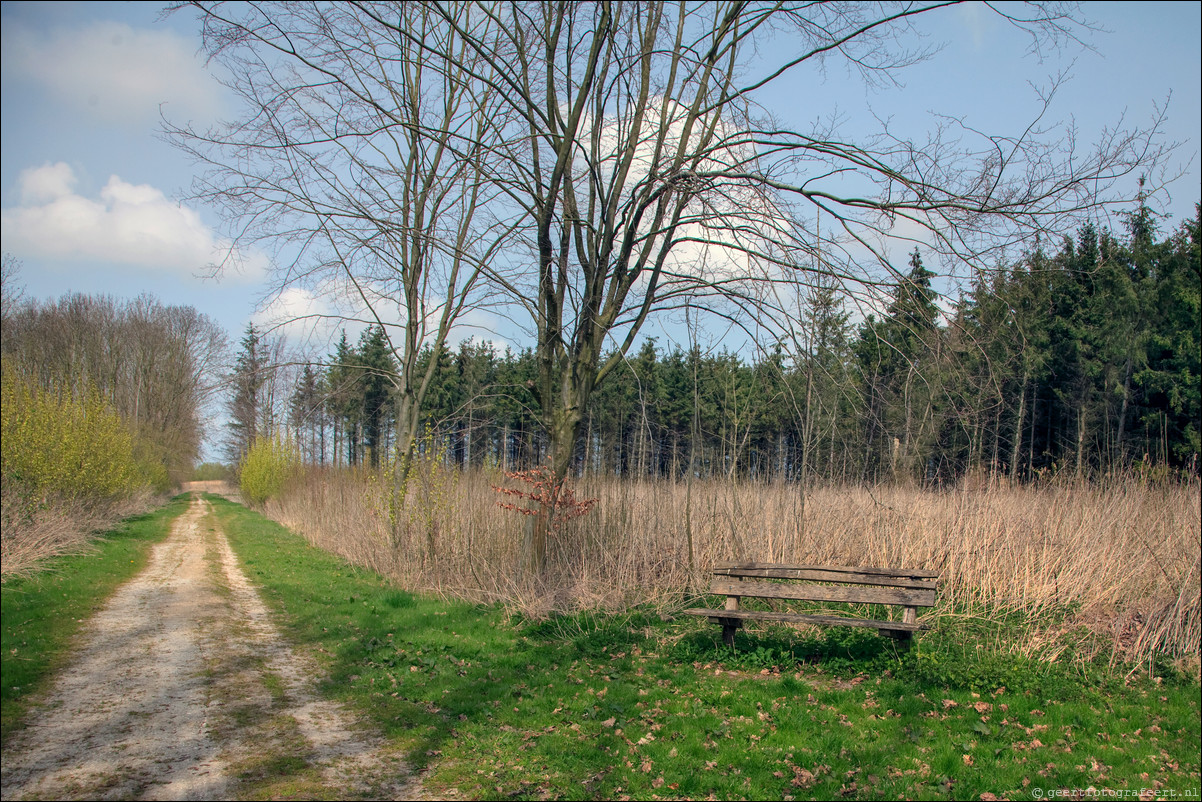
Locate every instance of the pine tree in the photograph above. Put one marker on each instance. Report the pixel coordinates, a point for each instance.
(305, 414)
(245, 405)
(890, 353)
(377, 370)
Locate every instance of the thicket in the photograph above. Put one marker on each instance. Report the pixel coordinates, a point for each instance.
(102, 408)
(152, 364)
(67, 466)
(60, 446)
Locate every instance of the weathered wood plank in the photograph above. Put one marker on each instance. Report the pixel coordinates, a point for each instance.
(901, 573)
(738, 616)
(825, 575)
(857, 595)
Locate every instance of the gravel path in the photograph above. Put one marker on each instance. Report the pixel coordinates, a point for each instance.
(183, 689)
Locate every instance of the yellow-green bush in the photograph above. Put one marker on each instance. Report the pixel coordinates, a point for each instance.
(52, 444)
(150, 461)
(210, 472)
(269, 465)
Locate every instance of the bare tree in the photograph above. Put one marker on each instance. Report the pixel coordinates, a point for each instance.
(11, 293)
(157, 365)
(358, 163)
(649, 177)
(604, 161)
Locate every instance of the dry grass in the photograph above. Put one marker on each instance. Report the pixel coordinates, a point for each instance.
(1073, 561)
(56, 526)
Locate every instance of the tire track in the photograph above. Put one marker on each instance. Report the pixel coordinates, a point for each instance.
(183, 689)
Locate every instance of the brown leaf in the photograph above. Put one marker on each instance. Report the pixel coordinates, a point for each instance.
(803, 778)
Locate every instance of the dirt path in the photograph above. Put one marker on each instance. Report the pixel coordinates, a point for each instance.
(183, 689)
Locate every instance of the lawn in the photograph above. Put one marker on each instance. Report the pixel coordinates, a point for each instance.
(637, 705)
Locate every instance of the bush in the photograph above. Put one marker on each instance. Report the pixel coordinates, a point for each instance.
(211, 472)
(55, 445)
(269, 465)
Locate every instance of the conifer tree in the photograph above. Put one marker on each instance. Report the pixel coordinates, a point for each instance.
(245, 406)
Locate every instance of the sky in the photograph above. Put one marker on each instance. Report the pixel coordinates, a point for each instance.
(90, 191)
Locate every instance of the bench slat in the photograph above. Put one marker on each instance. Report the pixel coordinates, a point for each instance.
(860, 595)
(900, 573)
(826, 575)
(716, 617)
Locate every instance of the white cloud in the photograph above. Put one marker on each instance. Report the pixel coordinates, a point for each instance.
(46, 183)
(131, 224)
(298, 314)
(113, 71)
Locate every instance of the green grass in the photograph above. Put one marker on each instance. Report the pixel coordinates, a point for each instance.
(43, 613)
(592, 706)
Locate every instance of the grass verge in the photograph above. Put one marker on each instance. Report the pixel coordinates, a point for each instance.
(43, 613)
(633, 706)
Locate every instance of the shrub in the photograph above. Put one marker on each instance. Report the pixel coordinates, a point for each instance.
(55, 445)
(268, 467)
(211, 472)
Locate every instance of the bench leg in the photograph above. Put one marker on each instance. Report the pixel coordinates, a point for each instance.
(729, 625)
(901, 637)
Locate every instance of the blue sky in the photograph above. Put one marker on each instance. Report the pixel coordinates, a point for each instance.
(89, 190)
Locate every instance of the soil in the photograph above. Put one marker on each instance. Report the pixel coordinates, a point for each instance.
(182, 688)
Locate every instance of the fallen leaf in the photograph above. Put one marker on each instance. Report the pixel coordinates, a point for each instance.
(803, 778)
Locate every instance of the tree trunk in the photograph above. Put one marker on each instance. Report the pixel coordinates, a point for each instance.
(1016, 444)
(1080, 438)
(1122, 422)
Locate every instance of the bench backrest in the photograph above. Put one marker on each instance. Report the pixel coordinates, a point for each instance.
(908, 588)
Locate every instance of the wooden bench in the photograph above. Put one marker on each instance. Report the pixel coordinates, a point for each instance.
(822, 583)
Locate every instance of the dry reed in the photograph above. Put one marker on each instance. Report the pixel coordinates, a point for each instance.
(56, 526)
(1119, 561)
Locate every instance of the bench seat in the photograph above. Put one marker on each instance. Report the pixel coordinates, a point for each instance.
(716, 616)
(908, 589)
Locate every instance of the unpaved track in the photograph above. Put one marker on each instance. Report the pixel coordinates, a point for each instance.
(183, 689)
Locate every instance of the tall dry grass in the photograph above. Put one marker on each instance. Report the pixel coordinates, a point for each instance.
(1119, 561)
(32, 534)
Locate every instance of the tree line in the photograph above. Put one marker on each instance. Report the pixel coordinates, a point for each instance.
(1082, 359)
(154, 366)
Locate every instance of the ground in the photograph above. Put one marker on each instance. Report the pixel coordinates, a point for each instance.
(182, 688)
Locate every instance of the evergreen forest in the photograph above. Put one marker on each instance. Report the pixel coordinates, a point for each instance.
(1084, 358)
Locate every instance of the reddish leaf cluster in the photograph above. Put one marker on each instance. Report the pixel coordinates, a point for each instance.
(546, 493)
